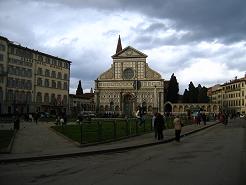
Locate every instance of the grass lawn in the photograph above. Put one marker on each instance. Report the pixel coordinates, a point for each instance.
(103, 130)
(108, 129)
(5, 138)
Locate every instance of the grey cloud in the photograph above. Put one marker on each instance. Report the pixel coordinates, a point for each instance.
(222, 19)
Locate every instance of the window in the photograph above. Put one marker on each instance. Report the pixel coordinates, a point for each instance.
(46, 98)
(53, 74)
(64, 101)
(59, 63)
(2, 47)
(47, 72)
(29, 73)
(39, 81)
(22, 84)
(40, 71)
(28, 97)
(53, 84)
(59, 99)
(59, 75)
(59, 85)
(40, 58)
(54, 62)
(1, 57)
(10, 82)
(1, 68)
(53, 98)
(29, 84)
(10, 95)
(47, 60)
(39, 97)
(65, 77)
(46, 83)
(65, 85)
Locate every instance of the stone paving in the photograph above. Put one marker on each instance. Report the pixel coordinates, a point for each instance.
(36, 140)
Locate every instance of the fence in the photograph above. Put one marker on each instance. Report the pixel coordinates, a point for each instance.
(101, 129)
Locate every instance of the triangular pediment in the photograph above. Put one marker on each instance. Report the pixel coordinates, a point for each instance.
(129, 52)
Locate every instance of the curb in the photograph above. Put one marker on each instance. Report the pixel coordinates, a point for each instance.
(98, 152)
(10, 146)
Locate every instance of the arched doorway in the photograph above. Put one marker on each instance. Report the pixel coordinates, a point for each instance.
(168, 107)
(127, 105)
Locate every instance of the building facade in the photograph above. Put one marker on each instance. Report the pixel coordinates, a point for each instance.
(81, 103)
(129, 83)
(31, 80)
(231, 96)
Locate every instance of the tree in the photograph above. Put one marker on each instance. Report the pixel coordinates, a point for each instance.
(202, 95)
(79, 90)
(192, 93)
(173, 90)
(186, 96)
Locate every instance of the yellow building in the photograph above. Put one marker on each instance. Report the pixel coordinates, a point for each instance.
(31, 80)
(231, 96)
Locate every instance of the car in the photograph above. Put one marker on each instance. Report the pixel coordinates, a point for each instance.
(87, 114)
(44, 115)
(242, 116)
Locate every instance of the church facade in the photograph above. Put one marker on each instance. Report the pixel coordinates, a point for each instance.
(129, 83)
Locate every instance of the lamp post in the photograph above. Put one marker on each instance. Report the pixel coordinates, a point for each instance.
(155, 108)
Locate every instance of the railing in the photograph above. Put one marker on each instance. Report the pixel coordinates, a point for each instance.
(100, 130)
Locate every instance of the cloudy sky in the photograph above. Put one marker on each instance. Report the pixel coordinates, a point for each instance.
(203, 41)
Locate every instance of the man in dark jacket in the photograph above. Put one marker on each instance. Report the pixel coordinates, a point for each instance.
(159, 124)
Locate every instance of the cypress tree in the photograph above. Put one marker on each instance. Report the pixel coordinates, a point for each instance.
(79, 90)
(186, 96)
(173, 90)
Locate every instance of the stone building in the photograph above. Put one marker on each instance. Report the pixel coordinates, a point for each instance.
(129, 83)
(31, 80)
(81, 102)
(231, 96)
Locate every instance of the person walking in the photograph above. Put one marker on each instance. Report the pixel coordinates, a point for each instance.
(204, 118)
(177, 127)
(154, 125)
(159, 124)
(36, 116)
(16, 120)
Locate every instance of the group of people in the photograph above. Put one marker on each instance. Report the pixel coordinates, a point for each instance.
(158, 123)
(201, 117)
(27, 117)
(61, 119)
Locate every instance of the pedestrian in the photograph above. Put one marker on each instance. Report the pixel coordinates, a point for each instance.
(36, 116)
(204, 118)
(138, 116)
(30, 118)
(154, 125)
(16, 120)
(159, 124)
(177, 127)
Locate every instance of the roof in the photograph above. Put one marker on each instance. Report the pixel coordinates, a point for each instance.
(32, 50)
(234, 81)
(119, 54)
(83, 96)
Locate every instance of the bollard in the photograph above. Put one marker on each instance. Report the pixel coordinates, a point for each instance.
(144, 125)
(136, 127)
(127, 127)
(114, 129)
(81, 132)
(151, 125)
(99, 131)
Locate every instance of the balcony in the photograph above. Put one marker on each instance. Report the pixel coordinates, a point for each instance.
(233, 89)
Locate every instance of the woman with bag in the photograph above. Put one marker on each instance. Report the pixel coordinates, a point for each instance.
(177, 127)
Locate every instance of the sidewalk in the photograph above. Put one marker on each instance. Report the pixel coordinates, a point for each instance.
(37, 142)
